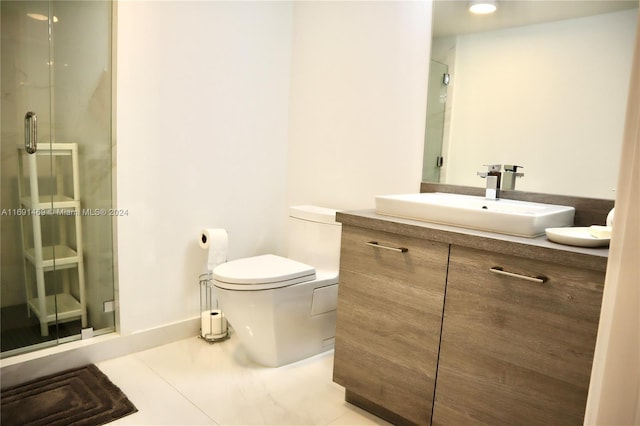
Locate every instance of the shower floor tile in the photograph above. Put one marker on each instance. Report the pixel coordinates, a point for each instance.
(192, 382)
(19, 330)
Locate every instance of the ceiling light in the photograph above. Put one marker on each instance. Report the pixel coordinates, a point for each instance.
(41, 17)
(38, 16)
(482, 7)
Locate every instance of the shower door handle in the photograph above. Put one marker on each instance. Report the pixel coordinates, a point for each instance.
(31, 132)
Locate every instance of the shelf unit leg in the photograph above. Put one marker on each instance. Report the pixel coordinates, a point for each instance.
(79, 248)
(42, 301)
(81, 284)
(83, 299)
(41, 289)
(25, 263)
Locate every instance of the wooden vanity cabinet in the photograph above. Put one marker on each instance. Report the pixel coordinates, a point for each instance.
(389, 318)
(515, 351)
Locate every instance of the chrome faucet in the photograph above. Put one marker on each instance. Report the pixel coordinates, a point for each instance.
(492, 175)
(510, 175)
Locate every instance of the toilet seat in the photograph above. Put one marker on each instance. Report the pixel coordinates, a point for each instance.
(261, 273)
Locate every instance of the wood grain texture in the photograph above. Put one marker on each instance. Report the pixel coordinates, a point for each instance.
(513, 351)
(389, 319)
(376, 409)
(539, 248)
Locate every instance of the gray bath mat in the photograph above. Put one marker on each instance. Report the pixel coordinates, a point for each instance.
(79, 397)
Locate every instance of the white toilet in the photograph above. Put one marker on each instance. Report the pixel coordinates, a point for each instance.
(284, 309)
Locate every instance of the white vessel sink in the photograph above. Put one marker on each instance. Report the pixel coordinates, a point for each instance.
(512, 217)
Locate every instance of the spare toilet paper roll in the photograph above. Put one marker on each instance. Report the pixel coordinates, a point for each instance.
(216, 241)
(213, 323)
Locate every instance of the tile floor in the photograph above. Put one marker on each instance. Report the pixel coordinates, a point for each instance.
(191, 382)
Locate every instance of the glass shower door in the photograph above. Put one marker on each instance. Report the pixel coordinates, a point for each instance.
(57, 251)
(28, 270)
(433, 160)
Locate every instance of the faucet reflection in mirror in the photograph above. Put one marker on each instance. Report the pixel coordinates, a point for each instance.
(508, 109)
(510, 175)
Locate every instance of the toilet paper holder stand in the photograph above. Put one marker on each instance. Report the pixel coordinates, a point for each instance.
(213, 323)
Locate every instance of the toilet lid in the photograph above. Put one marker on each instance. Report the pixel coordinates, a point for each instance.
(261, 273)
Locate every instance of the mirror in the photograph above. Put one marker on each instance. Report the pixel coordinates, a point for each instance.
(538, 84)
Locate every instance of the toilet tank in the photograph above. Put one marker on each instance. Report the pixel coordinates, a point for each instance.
(314, 237)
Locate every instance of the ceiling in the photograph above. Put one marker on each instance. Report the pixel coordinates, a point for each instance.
(452, 17)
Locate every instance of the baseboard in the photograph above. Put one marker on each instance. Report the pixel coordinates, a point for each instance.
(21, 368)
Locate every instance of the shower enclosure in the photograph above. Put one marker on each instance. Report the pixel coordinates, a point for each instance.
(433, 161)
(56, 199)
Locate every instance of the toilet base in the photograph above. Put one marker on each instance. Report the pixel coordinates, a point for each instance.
(280, 326)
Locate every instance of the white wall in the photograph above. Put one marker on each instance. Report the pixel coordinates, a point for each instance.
(502, 112)
(202, 106)
(358, 101)
(205, 90)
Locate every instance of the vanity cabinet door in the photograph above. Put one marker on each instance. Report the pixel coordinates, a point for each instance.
(388, 322)
(515, 351)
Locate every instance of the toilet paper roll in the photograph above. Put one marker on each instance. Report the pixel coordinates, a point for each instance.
(216, 242)
(213, 324)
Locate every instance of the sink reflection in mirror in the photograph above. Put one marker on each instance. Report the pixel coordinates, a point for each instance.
(549, 93)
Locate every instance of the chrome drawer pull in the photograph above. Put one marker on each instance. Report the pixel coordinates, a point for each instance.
(398, 249)
(498, 270)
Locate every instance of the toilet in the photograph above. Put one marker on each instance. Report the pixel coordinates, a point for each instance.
(283, 309)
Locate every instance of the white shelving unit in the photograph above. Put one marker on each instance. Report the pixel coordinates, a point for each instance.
(46, 215)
